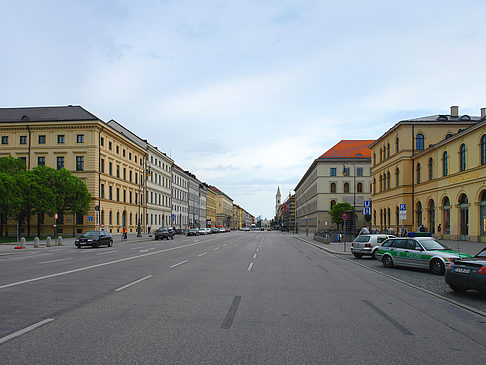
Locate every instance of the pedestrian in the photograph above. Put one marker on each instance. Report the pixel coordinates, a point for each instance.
(404, 232)
(124, 233)
(439, 228)
(148, 229)
(422, 228)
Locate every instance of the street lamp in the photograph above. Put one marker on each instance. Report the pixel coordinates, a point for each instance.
(354, 191)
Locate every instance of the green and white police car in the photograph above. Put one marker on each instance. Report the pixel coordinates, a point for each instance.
(420, 252)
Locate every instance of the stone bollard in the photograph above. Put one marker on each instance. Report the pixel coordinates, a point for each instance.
(59, 241)
(36, 242)
(48, 241)
(22, 242)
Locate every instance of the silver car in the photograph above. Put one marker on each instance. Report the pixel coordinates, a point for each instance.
(421, 252)
(367, 244)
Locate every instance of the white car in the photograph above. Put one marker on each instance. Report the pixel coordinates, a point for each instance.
(367, 244)
(202, 231)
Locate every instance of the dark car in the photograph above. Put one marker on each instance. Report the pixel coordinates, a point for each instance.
(193, 232)
(94, 239)
(214, 230)
(164, 232)
(467, 274)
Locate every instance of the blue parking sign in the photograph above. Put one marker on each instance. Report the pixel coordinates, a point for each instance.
(403, 206)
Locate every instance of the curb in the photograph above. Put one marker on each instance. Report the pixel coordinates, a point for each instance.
(452, 301)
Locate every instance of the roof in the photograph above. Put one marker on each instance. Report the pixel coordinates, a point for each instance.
(49, 113)
(350, 149)
(128, 134)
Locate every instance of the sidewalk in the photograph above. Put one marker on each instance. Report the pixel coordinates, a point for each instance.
(9, 248)
(344, 248)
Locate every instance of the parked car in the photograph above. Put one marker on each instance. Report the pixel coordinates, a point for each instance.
(193, 232)
(202, 231)
(421, 252)
(214, 230)
(164, 232)
(208, 230)
(94, 239)
(222, 230)
(467, 274)
(367, 244)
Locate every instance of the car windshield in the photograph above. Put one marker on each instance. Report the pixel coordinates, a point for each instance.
(433, 245)
(482, 254)
(163, 229)
(91, 234)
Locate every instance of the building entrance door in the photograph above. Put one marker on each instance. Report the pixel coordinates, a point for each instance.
(464, 232)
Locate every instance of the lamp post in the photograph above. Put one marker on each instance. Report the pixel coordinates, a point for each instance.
(354, 191)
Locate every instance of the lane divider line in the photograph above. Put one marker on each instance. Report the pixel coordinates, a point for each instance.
(250, 267)
(48, 262)
(25, 330)
(216, 248)
(105, 253)
(255, 256)
(202, 254)
(180, 263)
(133, 283)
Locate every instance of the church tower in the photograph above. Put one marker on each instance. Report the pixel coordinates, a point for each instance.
(277, 200)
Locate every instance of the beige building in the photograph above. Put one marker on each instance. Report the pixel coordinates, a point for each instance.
(180, 202)
(211, 207)
(342, 174)
(224, 208)
(110, 164)
(434, 167)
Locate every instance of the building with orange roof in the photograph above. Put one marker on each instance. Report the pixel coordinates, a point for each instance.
(341, 174)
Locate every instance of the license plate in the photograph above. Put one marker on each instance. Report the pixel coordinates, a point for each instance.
(461, 270)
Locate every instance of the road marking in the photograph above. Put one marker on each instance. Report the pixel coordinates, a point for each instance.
(133, 283)
(230, 316)
(402, 329)
(202, 254)
(180, 263)
(250, 266)
(25, 330)
(97, 265)
(104, 253)
(147, 249)
(26, 257)
(216, 248)
(48, 262)
(225, 244)
(254, 256)
(257, 250)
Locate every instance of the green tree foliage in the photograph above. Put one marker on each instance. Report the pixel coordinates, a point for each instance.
(10, 199)
(10, 165)
(337, 212)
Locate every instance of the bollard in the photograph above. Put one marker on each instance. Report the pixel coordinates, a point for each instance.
(59, 241)
(22, 242)
(36, 242)
(48, 241)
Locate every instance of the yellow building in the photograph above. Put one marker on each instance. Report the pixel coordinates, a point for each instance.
(111, 166)
(434, 167)
(236, 221)
(211, 207)
(224, 208)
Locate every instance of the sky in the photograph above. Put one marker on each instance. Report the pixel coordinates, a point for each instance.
(246, 94)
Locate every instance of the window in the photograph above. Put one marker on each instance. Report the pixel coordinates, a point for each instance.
(102, 141)
(419, 142)
(42, 139)
(79, 218)
(109, 147)
(388, 180)
(123, 152)
(381, 155)
(41, 161)
(24, 160)
(102, 191)
(79, 163)
(117, 194)
(80, 138)
(110, 168)
(446, 216)
(462, 157)
(60, 138)
(333, 203)
(388, 150)
(384, 181)
(397, 176)
(359, 187)
(102, 165)
(60, 163)
(346, 171)
(117, 170)
(397, 145)
(483, 150)
(374, 159)
(445, 164)
(130, 175)
(431, 171)
(333, 187)
(117, 149)
(129, 155)
(4, 139)
(124, 173)
(110, 192)
(333, 171)
(346, 187)
(124, 196)
(418, 173)
(23, 140)
(110, 218)
(359, 171)
(381, 183)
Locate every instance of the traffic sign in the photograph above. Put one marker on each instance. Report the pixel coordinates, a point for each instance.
(402, 214)
(367, 203)
(173, 217)
(90, 218)
(366, 211)
(56, 216)
(403, 207)
(344, 216)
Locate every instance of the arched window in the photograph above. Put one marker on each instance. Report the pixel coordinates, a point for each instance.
(388, 150)
(117, 218)
(419, 214)
(333, 187)
(446, 214)
(483, 150)
(333, 203)
(388, 180)
(445, 164)
(419, 141)
(397, 144)
(449, 135)
(462, 157)
(397, 177)
(418, 173)
(431, 171)
(346, 187)
(359, 188)
(381, 155)
(110, 218)
(384, 181)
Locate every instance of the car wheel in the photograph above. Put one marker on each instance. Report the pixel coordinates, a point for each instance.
(387, 261)
(110, 243)
(373, 255)
(437, 267)
(172, 238)
(358, 255)
(457, 289)
(96, 244)
(78, 246)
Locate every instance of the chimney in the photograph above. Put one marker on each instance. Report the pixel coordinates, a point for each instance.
(483, 112)
(454, 111)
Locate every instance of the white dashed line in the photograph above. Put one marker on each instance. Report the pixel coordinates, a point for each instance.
(105, 253)
(216, 248)
(48, 262)
(180, 263)
(255, 256)
(202, 254)
(133, 283)
(25, 330)
(250, 266)
(225, 244)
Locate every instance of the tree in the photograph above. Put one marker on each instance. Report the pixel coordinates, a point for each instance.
(337, 212)
(80, 199)
(10, 199)
(10, 165)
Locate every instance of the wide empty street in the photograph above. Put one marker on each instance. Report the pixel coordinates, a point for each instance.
(228, 298)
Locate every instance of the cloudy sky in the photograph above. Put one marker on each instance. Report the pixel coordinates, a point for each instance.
(246, 94)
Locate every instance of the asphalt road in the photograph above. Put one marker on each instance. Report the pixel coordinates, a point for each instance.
(233, 298)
